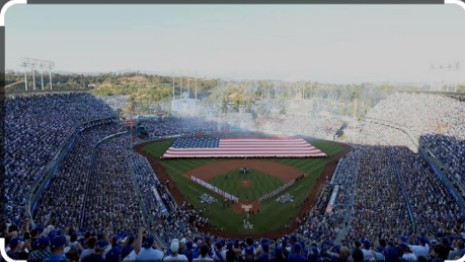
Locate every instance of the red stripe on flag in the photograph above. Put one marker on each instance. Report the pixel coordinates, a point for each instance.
(250, 147)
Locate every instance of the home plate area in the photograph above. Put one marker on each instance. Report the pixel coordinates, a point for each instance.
(246, 183)
(239, 184)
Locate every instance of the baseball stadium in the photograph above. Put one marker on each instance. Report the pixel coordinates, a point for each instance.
(287, 144)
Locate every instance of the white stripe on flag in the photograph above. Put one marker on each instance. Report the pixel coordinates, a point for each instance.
(250, 147)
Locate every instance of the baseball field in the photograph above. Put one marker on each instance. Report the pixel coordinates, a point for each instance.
(263, 176)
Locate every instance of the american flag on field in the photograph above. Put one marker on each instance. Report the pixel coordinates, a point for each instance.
(212, 147)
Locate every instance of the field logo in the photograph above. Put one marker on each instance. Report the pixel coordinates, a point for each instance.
(247, 224)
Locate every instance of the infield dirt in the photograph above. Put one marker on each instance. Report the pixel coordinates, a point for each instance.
(211, 170)
(307, 205)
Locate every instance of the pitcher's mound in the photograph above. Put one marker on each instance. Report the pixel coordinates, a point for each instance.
(253, 207)
(246, 183)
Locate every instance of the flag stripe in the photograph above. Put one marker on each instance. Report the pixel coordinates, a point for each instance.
(242, 147)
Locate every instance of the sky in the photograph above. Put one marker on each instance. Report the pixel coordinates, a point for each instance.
(327, 43)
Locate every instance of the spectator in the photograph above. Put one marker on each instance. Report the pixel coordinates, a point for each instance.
(97, 255)
(57, 247)
(458, 251)
(203, 255)
(147, 252)
(174, 256)
(41, 253)
(90, 243)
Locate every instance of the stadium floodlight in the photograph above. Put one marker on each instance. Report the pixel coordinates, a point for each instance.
(25, 65)
(188, 86)
(41, 66)
(448, 67)
(32, 64)
(180, 92)
(50, 67)
(172, 75)
(195, 88)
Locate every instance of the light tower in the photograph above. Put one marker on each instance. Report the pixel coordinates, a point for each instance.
(195, 85)
(50, 67)
(32, 64)
(173, 87)
(188, 86)
(447, 67)
(41, 66)
(25, 64)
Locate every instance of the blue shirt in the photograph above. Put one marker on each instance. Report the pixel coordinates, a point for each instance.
(53, 257)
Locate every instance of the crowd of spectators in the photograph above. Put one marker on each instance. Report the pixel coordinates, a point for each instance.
(181, 126)
(64, 197)
(388, 167)
(302, 125)
(147, 182)
(436, 122)
(68, 244)
(111, 196)
(36, 127)
(106, 187)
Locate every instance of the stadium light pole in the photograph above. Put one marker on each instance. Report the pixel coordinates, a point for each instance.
(50, 67)
(31, 63)
(181, 83)
(447, 67)
(188, 87)
(50, 78)
(41, 76)
(33, 77)
(195, 86)
(25, 65)
(25, 80)
(457, 82)
(173, 86)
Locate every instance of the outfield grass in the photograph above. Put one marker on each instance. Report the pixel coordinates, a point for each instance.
(261, 184)
(273, 214)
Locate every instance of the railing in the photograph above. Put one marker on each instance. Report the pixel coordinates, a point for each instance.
(89, 173)
(404, 194)
(407, 199)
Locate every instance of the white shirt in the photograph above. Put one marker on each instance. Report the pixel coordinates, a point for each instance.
(420, 250)
(222, 253)
(149, 254)
(367, 254)
(178, 257)
(409, 257)
(85, 253)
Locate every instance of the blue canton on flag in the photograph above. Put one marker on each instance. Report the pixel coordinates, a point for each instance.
(197, 142)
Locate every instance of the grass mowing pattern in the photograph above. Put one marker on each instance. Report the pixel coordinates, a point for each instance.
(273, 215)
(261, 184)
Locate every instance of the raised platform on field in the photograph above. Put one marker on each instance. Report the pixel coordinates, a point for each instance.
(249, 147)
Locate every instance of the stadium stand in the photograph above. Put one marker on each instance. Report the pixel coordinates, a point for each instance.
(425, 115)
(390, 203)
(36, 127)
